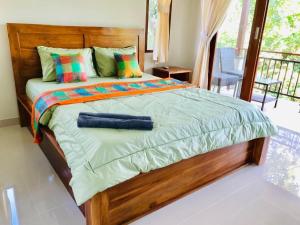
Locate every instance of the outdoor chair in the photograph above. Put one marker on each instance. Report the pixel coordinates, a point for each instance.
(228, 62)
(222, 78)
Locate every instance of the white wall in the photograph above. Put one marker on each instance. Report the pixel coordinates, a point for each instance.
(183, 28)
(110, 13)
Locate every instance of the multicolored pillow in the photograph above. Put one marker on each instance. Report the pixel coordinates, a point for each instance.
(48, 66)
(106, 64)
(128, 66)
(69, 68)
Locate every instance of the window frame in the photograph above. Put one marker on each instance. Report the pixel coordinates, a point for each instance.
(146, 27)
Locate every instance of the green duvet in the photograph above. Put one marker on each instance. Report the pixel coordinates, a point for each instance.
(187, 122)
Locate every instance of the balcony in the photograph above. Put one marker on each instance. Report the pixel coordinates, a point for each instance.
(281, 66)
(284, 67)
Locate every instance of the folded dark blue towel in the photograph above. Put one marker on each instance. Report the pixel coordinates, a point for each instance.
(98, 122)
(116, 116)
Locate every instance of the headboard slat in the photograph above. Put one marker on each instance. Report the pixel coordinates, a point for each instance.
(24, 38)
(30, 41)
(110, 41)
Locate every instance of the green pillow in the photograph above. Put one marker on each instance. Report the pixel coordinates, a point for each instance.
(48, 66)
(106, 65)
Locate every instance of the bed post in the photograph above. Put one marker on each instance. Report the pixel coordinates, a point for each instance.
(260, 150)
(97, 210)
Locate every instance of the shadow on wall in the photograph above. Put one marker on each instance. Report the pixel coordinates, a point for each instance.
(8, 100)
(149, 63)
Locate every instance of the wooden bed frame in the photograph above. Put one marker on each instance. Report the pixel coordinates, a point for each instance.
(144, 193)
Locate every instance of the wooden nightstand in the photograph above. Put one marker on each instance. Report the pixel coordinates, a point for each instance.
(178, 73)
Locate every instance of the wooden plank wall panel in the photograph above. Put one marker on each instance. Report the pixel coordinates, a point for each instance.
(56, 40)
(30, 63)
(107, 41)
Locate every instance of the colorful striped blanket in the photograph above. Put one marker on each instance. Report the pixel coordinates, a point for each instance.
(96, 92)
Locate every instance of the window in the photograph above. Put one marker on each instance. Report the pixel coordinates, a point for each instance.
(151, 23)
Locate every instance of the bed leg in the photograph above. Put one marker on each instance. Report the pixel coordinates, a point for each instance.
(22, 116)
(97, 210)
(260, 150)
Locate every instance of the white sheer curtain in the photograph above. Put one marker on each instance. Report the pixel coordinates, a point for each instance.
(161, 46)
(212, 15)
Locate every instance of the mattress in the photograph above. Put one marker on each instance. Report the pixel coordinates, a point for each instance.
(187, 122)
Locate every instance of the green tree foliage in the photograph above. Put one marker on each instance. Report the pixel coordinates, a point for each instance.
(282, 28)
(152, 22)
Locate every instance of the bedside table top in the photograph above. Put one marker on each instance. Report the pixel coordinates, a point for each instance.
(173, 70)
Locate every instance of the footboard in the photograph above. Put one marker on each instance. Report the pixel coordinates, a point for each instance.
(148, 192)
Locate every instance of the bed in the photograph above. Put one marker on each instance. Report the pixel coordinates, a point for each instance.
(149, 184)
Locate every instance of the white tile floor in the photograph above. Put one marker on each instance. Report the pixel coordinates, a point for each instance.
(286, 114)
(253, 195)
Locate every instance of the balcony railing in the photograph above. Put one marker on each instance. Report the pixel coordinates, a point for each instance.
(284, 67)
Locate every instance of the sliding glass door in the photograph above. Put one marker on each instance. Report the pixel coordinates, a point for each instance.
(236, 49)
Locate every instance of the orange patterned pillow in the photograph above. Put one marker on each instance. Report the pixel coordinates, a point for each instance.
(128, 66)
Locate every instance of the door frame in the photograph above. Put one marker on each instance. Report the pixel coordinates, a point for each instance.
(257, 30)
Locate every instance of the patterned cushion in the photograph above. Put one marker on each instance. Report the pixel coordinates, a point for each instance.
(48, 66)
(69, 68)
(106, 64)
(128, 66)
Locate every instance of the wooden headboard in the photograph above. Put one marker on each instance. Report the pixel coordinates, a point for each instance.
(24, 38)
